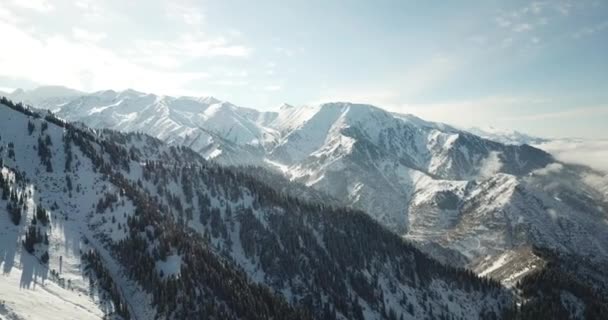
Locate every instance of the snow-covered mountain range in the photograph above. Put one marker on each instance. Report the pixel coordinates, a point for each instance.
(97, 224)
(459, 195)
(155, 215)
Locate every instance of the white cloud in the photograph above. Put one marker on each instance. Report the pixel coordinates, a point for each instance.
(85, 66)
(503, 22)
(84, 58)
(171, 54)
(490, 165)
(592, 153)
(7, 89)
(550, 168)
(88, 36)
(506, 42)
(564, 114)
(537, 6)
(564, 8)
(482, 110)
(270, 68)
(522, 27)
(597, 181)
(235, 33)
(284, 51)
(531, 114)
(236, 73)
(90, 9)
(478, 39)
(192, 16)
(272, 88)
(42, 6)
(522, 20)
(231, 82)
(590, 30)
(8, 15)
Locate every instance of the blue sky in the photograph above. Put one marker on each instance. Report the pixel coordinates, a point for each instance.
(538, 67)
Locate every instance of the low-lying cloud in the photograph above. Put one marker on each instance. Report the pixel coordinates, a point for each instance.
(490, 165)
(550, 168)
(592, 153)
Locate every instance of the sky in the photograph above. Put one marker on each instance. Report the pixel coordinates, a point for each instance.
(539, 67)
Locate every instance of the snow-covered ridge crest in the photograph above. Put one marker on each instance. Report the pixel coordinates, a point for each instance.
(427, 181)
(166, 223)
(311, 143)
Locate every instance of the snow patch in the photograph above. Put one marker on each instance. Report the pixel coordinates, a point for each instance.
(171, 266)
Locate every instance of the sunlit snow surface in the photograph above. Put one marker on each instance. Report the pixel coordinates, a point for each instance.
(428, 181)
(28, 289)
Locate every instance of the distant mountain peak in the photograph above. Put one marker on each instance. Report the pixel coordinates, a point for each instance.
(47, 92)
(18, 91)
(209, 100)
(506, 136)
(132, 92)
(286, 106)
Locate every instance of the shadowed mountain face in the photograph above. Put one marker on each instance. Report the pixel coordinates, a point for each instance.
(451, 191)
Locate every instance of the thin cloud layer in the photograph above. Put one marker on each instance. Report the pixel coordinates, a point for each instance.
(91, 56)
(592, 153)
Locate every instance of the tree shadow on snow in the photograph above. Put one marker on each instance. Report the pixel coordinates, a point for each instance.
(9, 242)
(32, 270)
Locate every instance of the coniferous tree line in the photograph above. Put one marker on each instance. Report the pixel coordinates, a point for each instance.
(30, 127)
(44, 152)
(100, 276)
(16, 201)
(286, 248)
(544, 289)
(16, 205)
(206, 287)
(285, 186)
(34, 236)
(40, 215)
(11, 150)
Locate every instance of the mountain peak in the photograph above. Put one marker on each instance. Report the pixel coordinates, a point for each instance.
(209, 100)
(352, 105)
(17, 91)
(509, 136)
(44, 92)
(286, 106)
(131, 92)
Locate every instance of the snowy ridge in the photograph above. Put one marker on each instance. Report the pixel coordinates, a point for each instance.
(93, 189)
(68, 293)
(430, 182)
(512, 137)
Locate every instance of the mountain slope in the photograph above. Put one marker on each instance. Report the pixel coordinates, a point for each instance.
(68, 173)
(207, 125)
(310, 144)
(49, 97)
(459, 196)
(162, 233)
